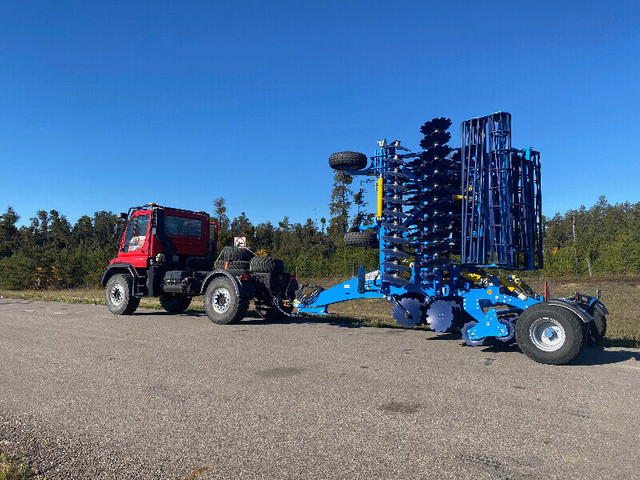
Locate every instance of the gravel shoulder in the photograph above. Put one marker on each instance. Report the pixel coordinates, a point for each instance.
(85, 394)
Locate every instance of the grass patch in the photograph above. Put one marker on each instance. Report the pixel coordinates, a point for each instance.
(621, 295)
(12, 469)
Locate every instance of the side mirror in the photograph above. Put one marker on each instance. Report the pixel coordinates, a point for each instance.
(122, 216)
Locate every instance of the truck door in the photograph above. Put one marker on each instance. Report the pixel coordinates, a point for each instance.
(134, 248)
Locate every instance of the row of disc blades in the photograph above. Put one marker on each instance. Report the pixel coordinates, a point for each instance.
(393, 216)
(426, 187)
(435, 209)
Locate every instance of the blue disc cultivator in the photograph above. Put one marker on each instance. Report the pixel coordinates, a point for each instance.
(447, 220)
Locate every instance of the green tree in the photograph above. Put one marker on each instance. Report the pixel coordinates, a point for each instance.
(8, 232)
(362, 217)
(339, 207)
(241, 226)
(220, 216)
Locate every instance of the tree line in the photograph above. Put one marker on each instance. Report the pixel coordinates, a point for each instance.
(50, 252)
(601, 240)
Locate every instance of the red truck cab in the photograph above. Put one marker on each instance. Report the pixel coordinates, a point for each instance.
(153, 230)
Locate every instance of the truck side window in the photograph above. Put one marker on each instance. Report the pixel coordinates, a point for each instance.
(182, 226)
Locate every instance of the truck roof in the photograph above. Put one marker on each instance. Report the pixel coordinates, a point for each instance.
(153, 206)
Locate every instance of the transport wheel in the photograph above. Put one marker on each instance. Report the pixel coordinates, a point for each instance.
(348, 161)
(597, 329)
(222, 303)
(118, 295)
(266, 265)
(549, 334)
(368, 238)
(173, 303)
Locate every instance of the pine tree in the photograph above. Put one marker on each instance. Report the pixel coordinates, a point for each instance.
(361, 217)
(220, 215)
(339, 207)
(242, 227)
(8, 232)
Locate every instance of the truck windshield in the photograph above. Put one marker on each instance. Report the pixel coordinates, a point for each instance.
(182, 227)
(136, 234)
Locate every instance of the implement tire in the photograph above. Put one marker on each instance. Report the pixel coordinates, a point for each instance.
(118, 295)
(348, 161)
(173, 303)
(550, 334)
(596, 329)
(368, 238)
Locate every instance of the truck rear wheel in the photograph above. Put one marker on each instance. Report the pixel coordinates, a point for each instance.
(550, 334)
(222, 303)
(174, 303)
(118, 295)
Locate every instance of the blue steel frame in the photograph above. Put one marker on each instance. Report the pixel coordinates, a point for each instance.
(498, 183)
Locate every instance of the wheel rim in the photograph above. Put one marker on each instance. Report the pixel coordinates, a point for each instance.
(116, 294)
(547, 334)
(221, 300)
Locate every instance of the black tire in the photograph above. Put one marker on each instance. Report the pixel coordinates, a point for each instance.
(229, 254)
(118, 295)
(222, 303)
(173, 303)
(232, 265)
(597, 329)
(269, 313)
(266, 265)
(368, 238)
(531, 326)
(348, 161)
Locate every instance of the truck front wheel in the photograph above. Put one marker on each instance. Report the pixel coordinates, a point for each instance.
(222, 303)
(118, 295)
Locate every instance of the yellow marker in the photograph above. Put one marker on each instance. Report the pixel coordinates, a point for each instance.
(379, 198)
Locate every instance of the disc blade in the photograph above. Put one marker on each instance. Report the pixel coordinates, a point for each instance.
(465, 335)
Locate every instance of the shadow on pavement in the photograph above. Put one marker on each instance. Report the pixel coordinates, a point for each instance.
(597, 355)
(604, 356)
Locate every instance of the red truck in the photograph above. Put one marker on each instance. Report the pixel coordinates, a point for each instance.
(170, 253)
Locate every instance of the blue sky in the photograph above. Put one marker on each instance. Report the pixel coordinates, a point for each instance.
(104, 105)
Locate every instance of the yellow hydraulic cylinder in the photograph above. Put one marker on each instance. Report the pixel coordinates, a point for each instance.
(379, 215)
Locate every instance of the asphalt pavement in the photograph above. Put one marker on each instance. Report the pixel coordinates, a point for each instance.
(88, 395)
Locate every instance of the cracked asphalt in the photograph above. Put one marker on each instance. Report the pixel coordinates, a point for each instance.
(87, 395)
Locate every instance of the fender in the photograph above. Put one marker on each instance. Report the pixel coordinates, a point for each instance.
(243, 289)
(598, 305)
(117, 268)
(573, 308)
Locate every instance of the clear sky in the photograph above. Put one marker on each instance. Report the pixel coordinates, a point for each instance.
(108, 104)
